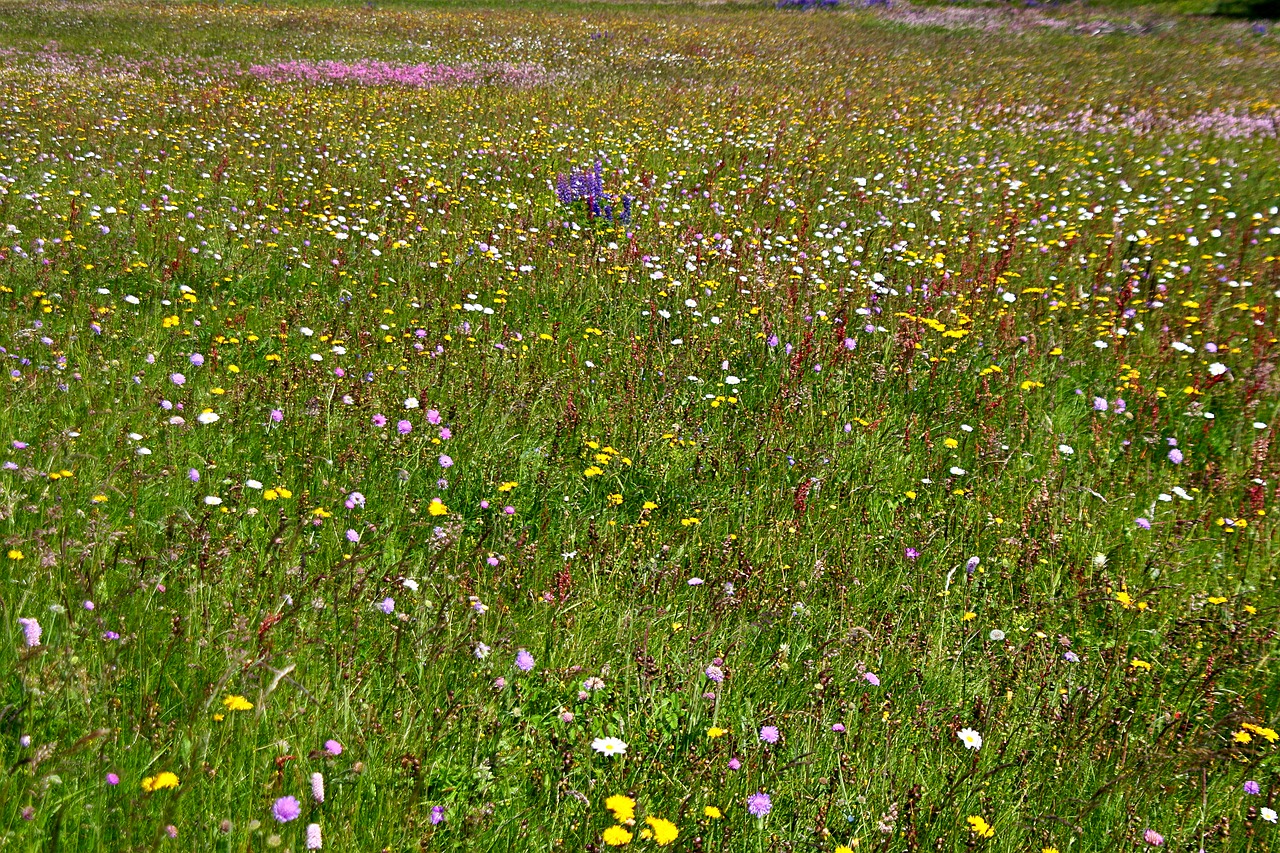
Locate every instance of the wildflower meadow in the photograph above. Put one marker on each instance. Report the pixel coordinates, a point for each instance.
(558, 425)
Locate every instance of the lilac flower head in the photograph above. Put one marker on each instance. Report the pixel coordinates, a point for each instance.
(437, 814)
(1252, 787)
(1145, 524)
(1120, 405)
(445, 461)
(31, 631)
(355, 499)
(1071, 657)
(1153, 838)
(177, 379)
(193, 475)
(113, 779)
(276, 416)
(387, 605)
(759, 804)
(1099, 404)
(769, 734)
(433, 417)
(333, 747)
(715, 673)
(838, 728)
(912, 553)
(404, 427)
(445, 433)
(1175, 456)
(197, 359)
(872, 678)
(314, 841)
(971, 565)
(379, 421)
(286, 809)
(734, 763)
(524, 661)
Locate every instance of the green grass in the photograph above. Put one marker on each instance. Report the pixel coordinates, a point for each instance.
(901, 254)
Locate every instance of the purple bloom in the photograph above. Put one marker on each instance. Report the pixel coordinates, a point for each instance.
(715, 673)
(1071, 657)
(1119, 405)
(387, 605)
(838, 728)
(353, 536)
(20, 445)
(404, 427)
(1143, 523)
(912, 553)
(379, 421)
(759, 804)
(1252, 787)
(31, 631)
(276, 416)
(355, 499)
(177, 379)
(333, 747)
(445, 461)
(193, 475)
(872, 678)
(524, 661)
(433, 417)
(1175, 456)
(286, 809)
(437, 814)
(1153, 838)
(1099, 404)
(769, 734)
(197, 359)
(734, 763)
(113, 779)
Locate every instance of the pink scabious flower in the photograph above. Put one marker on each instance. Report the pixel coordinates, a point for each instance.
(715, 673)
(333, 747)
(277, 416)
(524, 661)
(769, 734)
(379, 421)
(286, 809)
(734, 763)
(1153, 838)
(872, 678)
(759, 804)
(31, 631)
(433, 417)
(404, 427)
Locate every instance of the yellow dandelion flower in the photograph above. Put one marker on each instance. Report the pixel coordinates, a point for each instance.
(664, 831)
(616, 836)
(237, 703)
(715, 732)
(159, 782)
(623, 808)
(712, 812)
(437, 507)
(980, 827)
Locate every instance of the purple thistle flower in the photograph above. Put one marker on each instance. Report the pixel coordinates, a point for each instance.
(524, 661)
(177, 379)
(31, 631)
(286, 809)
(759, 804)
(276, 416)
(333, 747)
(734, 763)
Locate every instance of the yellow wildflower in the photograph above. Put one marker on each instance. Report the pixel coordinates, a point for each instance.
(980, 827)
(237, 703)
(616, 836)
(623, 808)
(437, 507)
(664, 831)
(159, 782)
